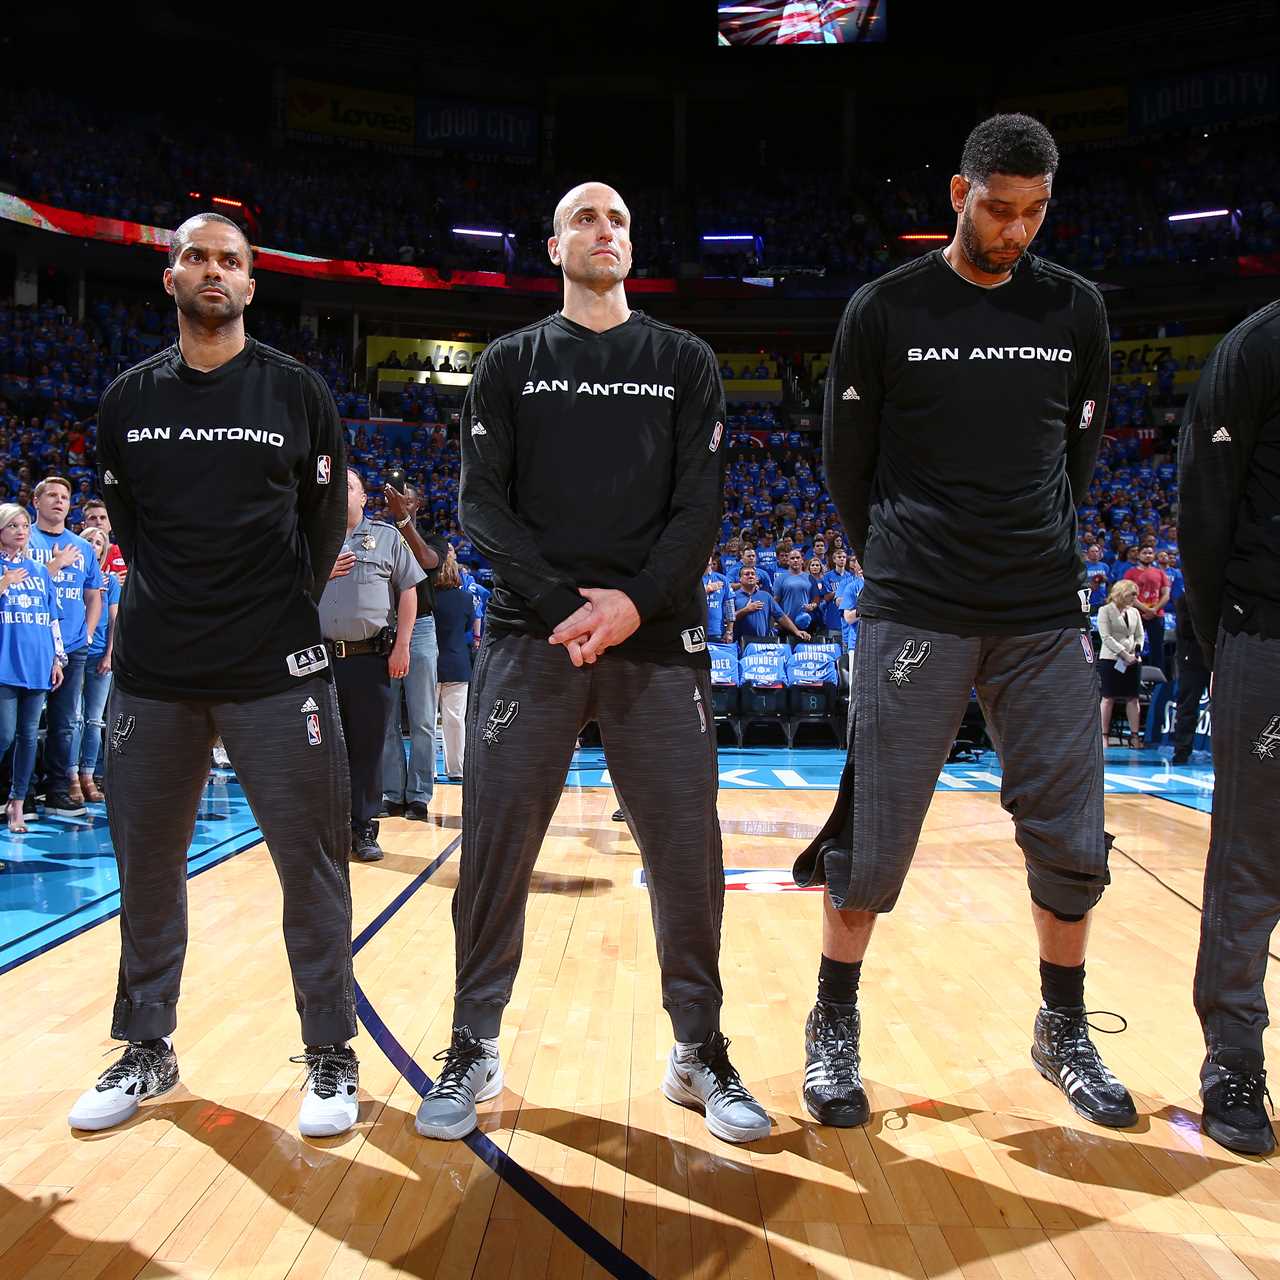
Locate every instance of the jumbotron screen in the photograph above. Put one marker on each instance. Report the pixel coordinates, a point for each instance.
(766, 22)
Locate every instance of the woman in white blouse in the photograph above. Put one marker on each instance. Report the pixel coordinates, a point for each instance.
(1120, 664)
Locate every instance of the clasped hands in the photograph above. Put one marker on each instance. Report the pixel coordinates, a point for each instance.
(606, 618)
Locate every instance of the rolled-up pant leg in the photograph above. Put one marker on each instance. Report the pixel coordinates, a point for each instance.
(292, 766)
(658, 731)
(527, 704)
(1039, 694)
(1242, 874)
(157, 763)
(909, 690)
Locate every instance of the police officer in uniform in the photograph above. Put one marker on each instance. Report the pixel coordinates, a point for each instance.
(366, 616)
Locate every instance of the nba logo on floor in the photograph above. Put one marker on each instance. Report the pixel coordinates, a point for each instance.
(313, 730)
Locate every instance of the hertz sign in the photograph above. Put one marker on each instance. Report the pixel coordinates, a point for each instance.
(314, 108)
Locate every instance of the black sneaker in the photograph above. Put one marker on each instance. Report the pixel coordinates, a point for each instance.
(416, 811)
(1232, 1086)
(64, 806)
(833, 1091)
(1066, 1057)
(390, 809)
(619, 816)
(364, 843)
(1181, 757)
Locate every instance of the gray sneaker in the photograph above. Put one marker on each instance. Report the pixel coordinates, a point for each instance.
(472, 1072)
(709, 1083)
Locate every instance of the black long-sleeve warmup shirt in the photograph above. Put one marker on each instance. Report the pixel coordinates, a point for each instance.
(960, 427)
(594, 460)
(1229, 485)
(227, 493)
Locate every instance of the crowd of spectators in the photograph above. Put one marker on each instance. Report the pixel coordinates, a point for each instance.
(1110, 208)
(53, 368)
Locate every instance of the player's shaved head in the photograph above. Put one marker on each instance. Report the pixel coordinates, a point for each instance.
(588, 195)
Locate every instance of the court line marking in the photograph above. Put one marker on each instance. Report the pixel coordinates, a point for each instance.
(245, 840)
(597, 1247)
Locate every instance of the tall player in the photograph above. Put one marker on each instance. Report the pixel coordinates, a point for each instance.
(218, 634)
(591, 479)
(962, 418)
(1229, 537)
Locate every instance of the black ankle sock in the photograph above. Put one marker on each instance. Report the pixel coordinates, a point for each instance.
(1062, 986)
(838, 983)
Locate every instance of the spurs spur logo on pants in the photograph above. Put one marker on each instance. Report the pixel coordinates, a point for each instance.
(500, 719)
(911, 656)
(121, 733)
(1268, 741)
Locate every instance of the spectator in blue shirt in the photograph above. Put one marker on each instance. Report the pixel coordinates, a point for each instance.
(716, 586)
(833, 583)
(847, 600)
(763, 577)
(756, 613)
(78, 581)
(30, 646)
(97, 672)
(794, 591)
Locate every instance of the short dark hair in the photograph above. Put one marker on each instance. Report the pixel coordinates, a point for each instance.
(182, 234)
(355, 471)
(93, 504)
(1013, 143)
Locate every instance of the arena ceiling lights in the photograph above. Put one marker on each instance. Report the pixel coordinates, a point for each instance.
(1203, 213)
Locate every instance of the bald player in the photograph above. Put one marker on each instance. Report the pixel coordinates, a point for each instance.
(591, 478)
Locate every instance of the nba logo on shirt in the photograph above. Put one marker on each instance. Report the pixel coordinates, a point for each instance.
(715, 437)
(1087, 416)
(313, 730)
(322, 469)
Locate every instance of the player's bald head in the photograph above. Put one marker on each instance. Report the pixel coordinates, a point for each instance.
(587, 195)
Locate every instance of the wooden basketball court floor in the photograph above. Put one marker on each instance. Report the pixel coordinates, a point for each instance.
(971, 1165)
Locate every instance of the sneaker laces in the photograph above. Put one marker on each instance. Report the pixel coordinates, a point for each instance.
(713, 1053)
(837, 1045)
(136, 1060)
(1070, 1032)
(457, 1059)
(327, 1067)
(1245, 1089)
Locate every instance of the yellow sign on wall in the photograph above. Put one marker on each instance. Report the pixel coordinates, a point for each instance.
(340, 111)
(1143, 355)
(462, 356)
(1085, 115)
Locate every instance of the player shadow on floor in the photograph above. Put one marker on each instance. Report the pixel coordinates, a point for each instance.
(44, 1238)
(722, 1179)
(446, 877)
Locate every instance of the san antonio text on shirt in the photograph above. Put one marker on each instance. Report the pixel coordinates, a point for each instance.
(603, 388)
(251, 435)
(1054, 354)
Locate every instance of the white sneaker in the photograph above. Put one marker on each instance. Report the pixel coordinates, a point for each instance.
(332, 1102)
(702, 1077)
(220, 758)
(144, 1070)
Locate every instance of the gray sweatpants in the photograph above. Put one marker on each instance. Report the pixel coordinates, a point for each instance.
(527, 705)
(1242, 873)
(292, 763)
(910, 688)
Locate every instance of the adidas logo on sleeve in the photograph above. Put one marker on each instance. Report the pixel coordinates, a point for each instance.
(851, 394)
(1222, 436)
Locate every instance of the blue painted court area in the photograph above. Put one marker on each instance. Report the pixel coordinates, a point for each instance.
(1145, 772)
(60, 878)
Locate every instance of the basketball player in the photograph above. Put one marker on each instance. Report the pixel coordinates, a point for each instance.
(218, 634)
(962, 418)
(591, 479)
(1229, 537)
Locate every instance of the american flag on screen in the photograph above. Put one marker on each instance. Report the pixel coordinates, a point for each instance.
(785, 21)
